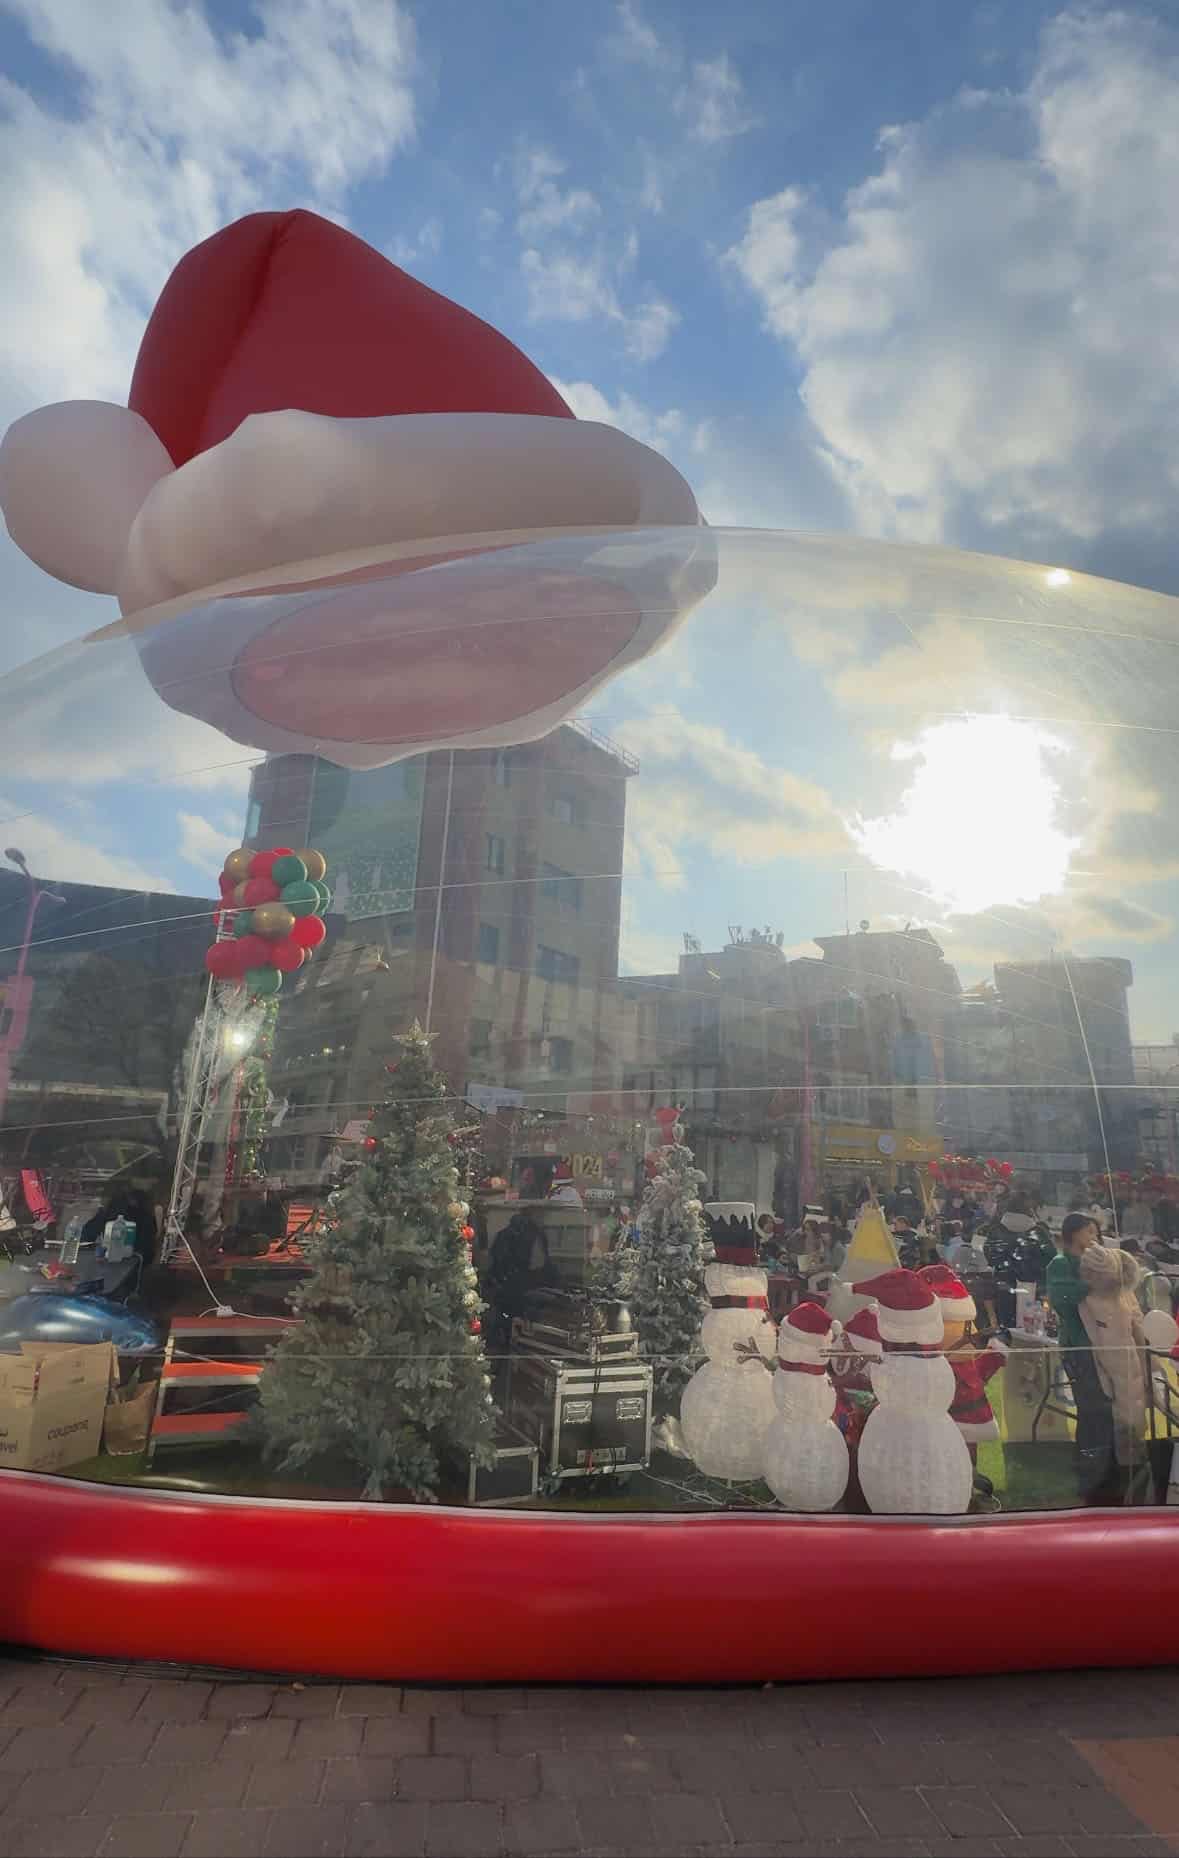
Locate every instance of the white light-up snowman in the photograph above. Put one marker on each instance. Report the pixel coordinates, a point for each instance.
(912, 1459)
(806, 1461)
(729, 1402)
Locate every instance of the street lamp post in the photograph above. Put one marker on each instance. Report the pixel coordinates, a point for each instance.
(17, 988)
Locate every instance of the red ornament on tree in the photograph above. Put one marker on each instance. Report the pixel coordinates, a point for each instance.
(370, 1142)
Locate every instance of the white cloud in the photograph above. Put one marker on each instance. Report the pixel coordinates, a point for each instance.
(61, 857)
(421, 247)
(204, 845)
(546, 207)
(986, 337)
(564, 287)
(634, 38)
(699, 787)
(712, 102)
(175, 126)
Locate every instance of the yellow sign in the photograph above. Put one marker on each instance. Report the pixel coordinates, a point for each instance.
(583, 1167)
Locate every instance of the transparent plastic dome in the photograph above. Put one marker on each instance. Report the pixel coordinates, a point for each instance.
(861, 857)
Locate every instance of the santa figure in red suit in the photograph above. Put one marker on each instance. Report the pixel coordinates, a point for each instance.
(342, 514)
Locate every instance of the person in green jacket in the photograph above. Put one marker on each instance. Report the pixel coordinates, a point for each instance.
(1097, 1469)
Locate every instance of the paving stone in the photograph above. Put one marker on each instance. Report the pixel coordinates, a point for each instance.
(966, 1810)
(830, 1813)
(764, 1819)
(397, 1735)
(1097, 1811)
(489, 1702)
(307, 1832)
(232, 1700)
(64, 1790)
(462, 1829)
(716, 1770)
(176, 1702)
(526, 1733)
(285, 1783)
(897, 1812)
(146, 1835)
(1040, 1845)
(52, 1838)
(647, 1771)
(397, 1831)
(198, 1785)
(370, 1700)
(504, 1777)
(571, 1777)
(610, 1824)
(313, 1700)
(228, 1832)
(109, 1745)
(106, 1703)
(540, 1828)
(432, 1777)
(256, 1739)
(420, 1700)
(683, 1820)
(1034, 1810)
(463, 1735)
(130, 1788)
(359, 1779)
(47, 1747)
(316, 1740)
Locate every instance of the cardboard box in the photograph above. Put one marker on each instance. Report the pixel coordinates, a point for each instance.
(52, 1403)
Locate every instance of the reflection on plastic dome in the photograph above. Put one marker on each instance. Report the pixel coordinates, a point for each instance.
(755, 1089)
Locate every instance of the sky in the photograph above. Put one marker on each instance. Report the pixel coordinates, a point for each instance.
(905, 272)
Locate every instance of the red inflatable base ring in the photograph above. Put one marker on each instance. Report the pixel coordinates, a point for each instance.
(477, 1596)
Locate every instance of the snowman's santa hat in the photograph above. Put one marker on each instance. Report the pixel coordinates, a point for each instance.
(958, 1305)
(908, 1314)
(863, 1332)
(805, 1332)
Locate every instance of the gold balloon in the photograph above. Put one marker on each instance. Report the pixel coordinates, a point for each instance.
(316, 863)
(237, 865)
(274, 920)
(239, 895)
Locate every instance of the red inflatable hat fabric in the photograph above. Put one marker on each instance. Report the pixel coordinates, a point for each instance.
(288, 310)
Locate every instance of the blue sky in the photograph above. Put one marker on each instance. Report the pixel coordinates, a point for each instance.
(902, 271)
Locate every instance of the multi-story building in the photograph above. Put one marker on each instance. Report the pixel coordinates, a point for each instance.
(479, 893)
(1156, 1075)
(94, 1031)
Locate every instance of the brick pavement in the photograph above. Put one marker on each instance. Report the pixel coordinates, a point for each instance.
(138, 1763)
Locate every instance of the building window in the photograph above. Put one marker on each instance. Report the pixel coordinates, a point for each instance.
(553, 964)
(495, 853)
(563, 807)
(488, 944)
(558, 886)
(501, 768)
(480, 1037)
(560, 1055)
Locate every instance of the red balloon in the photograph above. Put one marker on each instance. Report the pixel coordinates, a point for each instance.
(258, 890)
(287, 955)
(261, 862)
(253, 952)
(227, 884)
(308, 931)
(223, 961)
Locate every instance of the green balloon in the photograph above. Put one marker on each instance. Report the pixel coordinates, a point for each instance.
(263, 980)
(243, 923)
(302, 899)
(325, 896)
(288, 870)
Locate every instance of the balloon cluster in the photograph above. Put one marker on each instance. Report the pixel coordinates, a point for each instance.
(275, 901)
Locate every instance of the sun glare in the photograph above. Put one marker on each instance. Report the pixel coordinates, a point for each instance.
(978, 823)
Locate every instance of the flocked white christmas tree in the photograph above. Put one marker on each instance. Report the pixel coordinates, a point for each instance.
(385, 1373)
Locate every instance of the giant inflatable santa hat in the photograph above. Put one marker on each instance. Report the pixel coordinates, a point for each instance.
(320, 510)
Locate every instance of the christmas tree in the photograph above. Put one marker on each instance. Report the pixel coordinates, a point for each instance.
(671, 1250)
(385, 1372)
